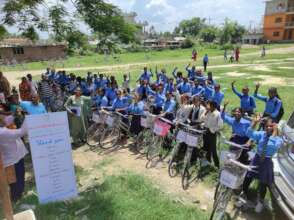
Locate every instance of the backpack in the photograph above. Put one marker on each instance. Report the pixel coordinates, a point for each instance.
(281, 111)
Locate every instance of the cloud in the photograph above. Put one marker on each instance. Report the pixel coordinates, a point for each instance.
(166, 14)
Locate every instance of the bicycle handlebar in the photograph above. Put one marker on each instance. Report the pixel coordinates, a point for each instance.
(243, 166)
(241, 146)
(191, 128)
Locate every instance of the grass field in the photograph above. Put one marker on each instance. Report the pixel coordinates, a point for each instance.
(138, 57)
(129, 196)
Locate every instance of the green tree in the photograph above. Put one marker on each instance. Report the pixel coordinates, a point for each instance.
(76, 40)
(3, 32)
(209, 34)
(101, 17)
(231, 32)
(106, 19)
(190, 27)
(58, 24)
(30, 33)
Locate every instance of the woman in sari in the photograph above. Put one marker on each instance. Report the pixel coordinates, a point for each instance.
(78, 108)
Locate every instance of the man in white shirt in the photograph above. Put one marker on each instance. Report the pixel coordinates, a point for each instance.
(13, 151)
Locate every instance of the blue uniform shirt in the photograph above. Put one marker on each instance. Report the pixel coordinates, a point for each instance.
(205, 59)
(136, 108)
(32, 109)
(208, 92)
(110, 94)
(101, 101)
(162, 78)
(218, 97)
(247, 102)
(118, 103)
(239, 128)
(273, 142)
(272, 106)
(101, 83)
(197, 90)
(142, 89)
(191, 73)
(184, 87)
(159, 99)
(169, 106)
(169, 87)
(145, 76)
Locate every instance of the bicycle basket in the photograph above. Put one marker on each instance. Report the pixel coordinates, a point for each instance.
(161, 128)
(110, 120)
(232, 177)
(98, 117)
(181, 136)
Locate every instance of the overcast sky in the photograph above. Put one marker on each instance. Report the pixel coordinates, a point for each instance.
(166, 14)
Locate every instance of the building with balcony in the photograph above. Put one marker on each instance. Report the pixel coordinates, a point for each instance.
(279, 20)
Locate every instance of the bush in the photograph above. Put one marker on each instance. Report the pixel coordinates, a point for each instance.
(188, 43)
(227, 46)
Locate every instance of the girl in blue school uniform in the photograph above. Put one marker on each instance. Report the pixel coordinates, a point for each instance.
(247, 102)
(178, 76)
(239, 128)
(137, 110)
(273, 104)
(268, 144)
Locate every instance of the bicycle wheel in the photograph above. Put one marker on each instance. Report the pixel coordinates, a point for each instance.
(186, 173)
(109, 138)
(173, 165)
(154, 147)
(93, 134)
(220, 204)
(143, 140)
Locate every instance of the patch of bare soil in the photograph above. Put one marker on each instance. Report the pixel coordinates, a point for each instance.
(236, 74)
(99, 165)
(261, 68)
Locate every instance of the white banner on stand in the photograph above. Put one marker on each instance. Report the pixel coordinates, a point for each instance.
(52, 156)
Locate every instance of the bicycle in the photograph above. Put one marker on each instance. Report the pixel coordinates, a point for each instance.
(161, 137)
(144, 138)
(194, 141)
(231, 177)
(96, 129)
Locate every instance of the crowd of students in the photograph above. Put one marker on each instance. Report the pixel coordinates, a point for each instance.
(193, 97)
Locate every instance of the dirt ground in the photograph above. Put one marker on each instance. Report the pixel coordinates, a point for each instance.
(100, 164)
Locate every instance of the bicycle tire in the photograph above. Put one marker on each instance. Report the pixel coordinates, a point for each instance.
(143, 140)
(154, 148)
(172, 165)
(109, 138)
(221, 203)
(186, 174)
(93, 135)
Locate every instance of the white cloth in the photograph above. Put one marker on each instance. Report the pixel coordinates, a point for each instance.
(183, 113)
(212, 121)
(200, 114)
(12, 147)
(126, 84)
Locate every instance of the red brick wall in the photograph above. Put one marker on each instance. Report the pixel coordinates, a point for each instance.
(31, 53)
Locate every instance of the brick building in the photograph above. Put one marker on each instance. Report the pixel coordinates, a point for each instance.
(19, 50)
(279, 20)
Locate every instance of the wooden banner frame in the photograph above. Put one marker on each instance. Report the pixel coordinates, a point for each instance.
(4, 193)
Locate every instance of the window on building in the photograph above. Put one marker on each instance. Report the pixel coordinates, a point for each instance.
(18, 50)
(279, 20)
(276, 34)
